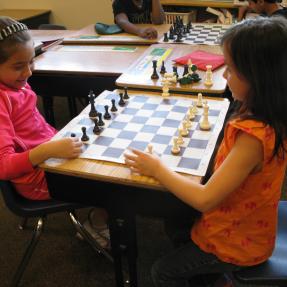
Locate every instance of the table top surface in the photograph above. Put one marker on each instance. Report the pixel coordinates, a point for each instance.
(23, 14)
(103, 170)
(88, 35)
(139, 73)
(199, 3)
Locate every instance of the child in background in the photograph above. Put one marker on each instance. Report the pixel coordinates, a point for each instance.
(239, 202)
(24, 133)
(130, 12)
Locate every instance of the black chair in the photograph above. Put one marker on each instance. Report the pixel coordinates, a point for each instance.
(26, 209)
(273, 272)
(51, 27)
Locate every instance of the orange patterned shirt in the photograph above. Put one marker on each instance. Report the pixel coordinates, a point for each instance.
(242, 228)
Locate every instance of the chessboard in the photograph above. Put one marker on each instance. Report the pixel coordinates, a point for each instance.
(198, 34)
(149, 119)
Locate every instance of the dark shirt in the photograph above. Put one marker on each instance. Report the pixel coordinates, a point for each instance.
(135, 15)
(281, 12)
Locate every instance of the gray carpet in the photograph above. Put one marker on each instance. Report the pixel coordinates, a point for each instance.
(61, 259)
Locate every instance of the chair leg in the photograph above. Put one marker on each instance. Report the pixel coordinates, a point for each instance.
(80, 228)
(23, 223)
(28, 253)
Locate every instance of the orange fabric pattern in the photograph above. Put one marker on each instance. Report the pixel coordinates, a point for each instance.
(242, 229)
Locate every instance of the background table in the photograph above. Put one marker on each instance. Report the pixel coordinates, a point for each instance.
(139, 74)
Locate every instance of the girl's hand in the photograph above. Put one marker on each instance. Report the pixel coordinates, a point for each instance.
(142, 162)
(65, 148)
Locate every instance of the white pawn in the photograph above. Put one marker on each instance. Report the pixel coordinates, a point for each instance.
(199, 100)
(205, 124)
(188, 123)
(194, 108)
(150, 148)
(175, 148)
(191, 114)
(165, 87)
(180, 140)
(189, 63)
(184, 132)
(208, 76)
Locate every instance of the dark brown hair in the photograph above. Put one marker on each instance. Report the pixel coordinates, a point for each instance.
(9, 44)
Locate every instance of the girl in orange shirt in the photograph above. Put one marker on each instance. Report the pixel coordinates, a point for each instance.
(239, 201)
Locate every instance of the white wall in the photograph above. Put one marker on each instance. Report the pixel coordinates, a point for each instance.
(74, 14)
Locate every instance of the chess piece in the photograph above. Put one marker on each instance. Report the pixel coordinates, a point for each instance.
(107, 116)
(175, 148)
(165, 37)
(184, 131)
(113, 108)
(150, 148)
(126, 96)
(121, 101)
(208, 76)
(73, 135)
(180, 140)
(194, 108)
(163, 69)
(189, 63)
(96, 129)
(199, 100)
(185, 70)
(100, 122)
(191, 114)
(174, 69)
(154, 75)
(205, 124)
(93, 112)
(188, 123)
(84, 137)
(165, 87)
(171, 34)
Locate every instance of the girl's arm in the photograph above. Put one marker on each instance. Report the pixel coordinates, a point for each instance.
(245, 157)
(157, 15)
(63, 148)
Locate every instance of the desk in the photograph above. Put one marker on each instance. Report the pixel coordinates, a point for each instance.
(73, 73)
(139, 74)
(31, 17)
(89, 36)
(123, 194)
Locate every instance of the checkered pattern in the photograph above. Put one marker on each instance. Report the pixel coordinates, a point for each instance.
(202, 34)
(150, 120)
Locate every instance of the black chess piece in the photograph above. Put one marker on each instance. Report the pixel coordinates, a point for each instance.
(84, 137)
(73, 135)
(162, 69)
(96, 129)
(113, 108)
(185, 70)
(107, 116)
(154, 75)
(100, 122)
(171, 35)
(174, 69)
(121, 101)
(93, 112)
(126, 96)
(165, 37)
(178, 38)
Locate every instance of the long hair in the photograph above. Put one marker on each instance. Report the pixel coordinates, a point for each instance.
(258, 50)
(10, 44)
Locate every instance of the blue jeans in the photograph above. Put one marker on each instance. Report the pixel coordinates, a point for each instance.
(178, 268)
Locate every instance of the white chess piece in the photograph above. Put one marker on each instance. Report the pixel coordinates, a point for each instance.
(189, 63)
(188, 123)
(194, 108)
(180, 140)
(184, 132)
(208, 76)
(150, 148)
(165, 87)
(175, 148)
(205, 124)
(199, 100)
(191, 114)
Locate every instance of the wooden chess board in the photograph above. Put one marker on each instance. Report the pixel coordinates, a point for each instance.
(150, 119)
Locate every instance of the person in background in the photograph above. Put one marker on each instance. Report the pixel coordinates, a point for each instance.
(127, 13)
(239, 202)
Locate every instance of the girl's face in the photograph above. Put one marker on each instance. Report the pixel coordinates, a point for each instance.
(236, 83)
(16, 71)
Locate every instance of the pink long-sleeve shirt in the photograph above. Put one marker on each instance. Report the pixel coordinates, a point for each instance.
(22, 128)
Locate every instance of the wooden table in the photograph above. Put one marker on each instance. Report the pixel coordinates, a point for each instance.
(199, 3)
(89, 36)
(31, 17)
(139, 74)
(122, 193)
(72, 71)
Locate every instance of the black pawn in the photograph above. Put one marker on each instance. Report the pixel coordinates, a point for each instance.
(154, 74)
(165, 38)
(113, 108)
(185, 71)
(162, 69)
(178, 38)
(84, 137)
(107, 116)
(121, 101)
(100, 122)
(174, 69)
(96, 129)
(126, 96)
(171, 35)
(73, 135)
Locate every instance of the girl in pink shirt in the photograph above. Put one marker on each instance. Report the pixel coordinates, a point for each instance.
(24, 133)
(239, 202)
